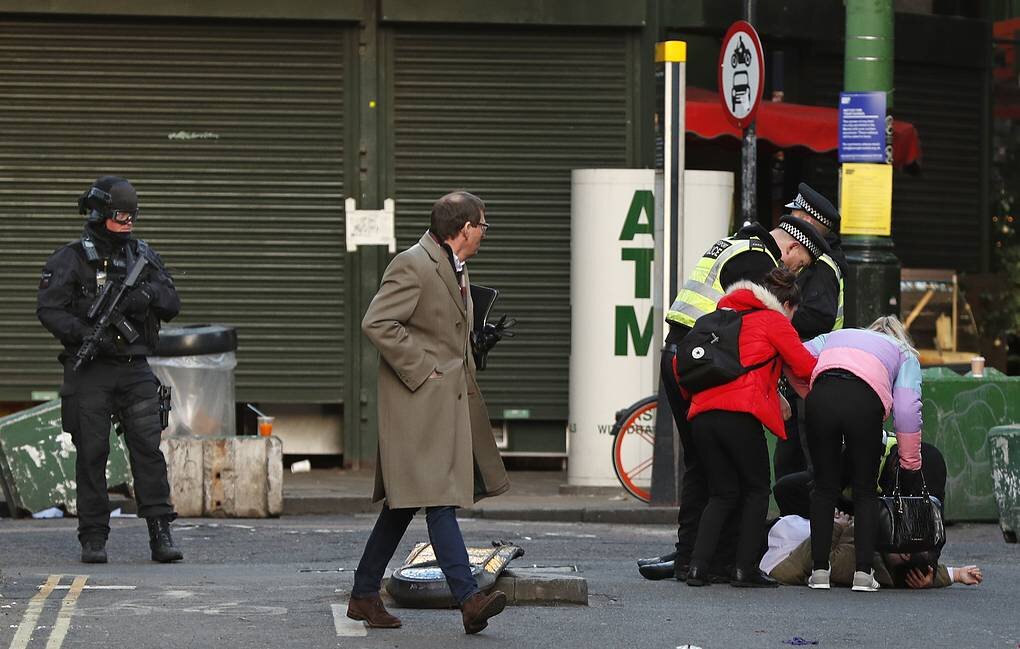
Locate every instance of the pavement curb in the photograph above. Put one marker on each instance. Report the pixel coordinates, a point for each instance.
(532, 586)
(643, 516)
(639, 515)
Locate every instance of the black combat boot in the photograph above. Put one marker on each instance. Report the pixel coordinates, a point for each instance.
(160, 541)
(93, 551)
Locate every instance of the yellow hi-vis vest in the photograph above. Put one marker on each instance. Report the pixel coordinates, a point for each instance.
(702, 292)
(825, 258)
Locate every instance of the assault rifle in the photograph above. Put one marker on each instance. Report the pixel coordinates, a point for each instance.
(105, 314)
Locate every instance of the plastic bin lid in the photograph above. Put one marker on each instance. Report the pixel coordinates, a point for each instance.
(195, 340)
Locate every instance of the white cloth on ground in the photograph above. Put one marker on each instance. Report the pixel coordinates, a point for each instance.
(786, 534)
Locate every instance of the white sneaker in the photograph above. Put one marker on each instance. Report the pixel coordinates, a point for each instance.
(819, 579)
(865, 582)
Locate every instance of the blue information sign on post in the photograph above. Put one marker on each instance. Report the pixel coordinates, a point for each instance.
(862, 127)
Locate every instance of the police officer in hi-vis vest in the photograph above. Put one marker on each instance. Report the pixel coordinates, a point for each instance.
(747, 255)
(820, 311)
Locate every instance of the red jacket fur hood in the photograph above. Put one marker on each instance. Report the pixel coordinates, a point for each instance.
(763, 334)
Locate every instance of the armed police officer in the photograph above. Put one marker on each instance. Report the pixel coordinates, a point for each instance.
(748, 255)
(820, 311)
(106, 374)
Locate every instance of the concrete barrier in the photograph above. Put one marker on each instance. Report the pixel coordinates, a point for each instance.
(225, 477)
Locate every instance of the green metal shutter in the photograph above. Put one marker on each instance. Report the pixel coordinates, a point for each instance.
(233, 136)
(506, 114)
(942, 203)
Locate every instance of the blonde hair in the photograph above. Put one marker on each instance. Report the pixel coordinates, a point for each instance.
(891, 326)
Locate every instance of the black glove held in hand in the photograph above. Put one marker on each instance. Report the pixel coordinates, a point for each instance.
(484, 340)
(106, 344)
(137, 300)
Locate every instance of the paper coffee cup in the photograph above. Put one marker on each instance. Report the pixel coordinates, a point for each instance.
(304, 466)
(977, 366)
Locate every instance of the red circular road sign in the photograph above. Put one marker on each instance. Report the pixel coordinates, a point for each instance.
(741, 73)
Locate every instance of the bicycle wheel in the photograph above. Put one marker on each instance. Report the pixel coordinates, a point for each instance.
(633, 443)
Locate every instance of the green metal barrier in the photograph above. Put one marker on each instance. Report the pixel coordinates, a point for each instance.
(958, 413)
(37, 461)
(1004, 444)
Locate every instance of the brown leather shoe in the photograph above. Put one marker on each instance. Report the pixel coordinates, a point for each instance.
(478, 608)
(370, 609)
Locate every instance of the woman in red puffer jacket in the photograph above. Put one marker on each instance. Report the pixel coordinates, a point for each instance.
(727, 422)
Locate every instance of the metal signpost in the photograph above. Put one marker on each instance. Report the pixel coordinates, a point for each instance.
(741, 81)
(672, 55)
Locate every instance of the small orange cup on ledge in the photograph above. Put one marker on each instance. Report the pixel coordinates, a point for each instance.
(265, 426)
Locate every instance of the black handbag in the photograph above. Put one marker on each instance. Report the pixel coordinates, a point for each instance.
(909, 523)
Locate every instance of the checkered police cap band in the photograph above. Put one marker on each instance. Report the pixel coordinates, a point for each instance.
(800, 203)
(802, 239)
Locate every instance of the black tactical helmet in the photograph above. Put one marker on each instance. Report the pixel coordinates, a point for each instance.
(107, 196)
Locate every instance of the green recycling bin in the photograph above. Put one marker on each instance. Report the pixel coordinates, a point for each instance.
(958, 412)
(1004, 444)
(37, 461)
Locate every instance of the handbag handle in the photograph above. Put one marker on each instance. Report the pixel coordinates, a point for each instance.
(896, 484)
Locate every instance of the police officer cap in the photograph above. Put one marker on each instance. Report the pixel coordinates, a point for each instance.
(817, 206)
(806, 235)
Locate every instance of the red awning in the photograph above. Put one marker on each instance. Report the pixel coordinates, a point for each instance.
(789, 125)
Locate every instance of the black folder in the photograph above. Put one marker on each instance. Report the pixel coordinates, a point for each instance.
(483, 298)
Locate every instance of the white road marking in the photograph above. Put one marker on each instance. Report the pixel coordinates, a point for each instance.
(32, 612)
(344, 625)
(59, 631)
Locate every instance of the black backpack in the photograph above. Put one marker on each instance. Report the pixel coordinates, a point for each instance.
(709, 355)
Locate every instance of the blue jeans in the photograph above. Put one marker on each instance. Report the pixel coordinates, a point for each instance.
(446, 539)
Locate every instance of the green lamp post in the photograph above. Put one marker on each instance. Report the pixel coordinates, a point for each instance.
(873, 279)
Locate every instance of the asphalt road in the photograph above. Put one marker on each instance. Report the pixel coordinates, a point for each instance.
(275, 583)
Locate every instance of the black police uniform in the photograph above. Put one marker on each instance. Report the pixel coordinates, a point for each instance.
(118, 381)
(816, 315)
(819, 293)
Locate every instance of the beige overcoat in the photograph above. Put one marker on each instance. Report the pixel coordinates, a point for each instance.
(433, 432)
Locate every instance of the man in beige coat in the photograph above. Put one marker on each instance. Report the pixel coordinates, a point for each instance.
(436, 448)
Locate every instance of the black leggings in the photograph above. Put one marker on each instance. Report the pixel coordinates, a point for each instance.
(732, 449)
(844, 411)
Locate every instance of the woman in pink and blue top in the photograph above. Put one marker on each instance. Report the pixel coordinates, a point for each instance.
(861, 375)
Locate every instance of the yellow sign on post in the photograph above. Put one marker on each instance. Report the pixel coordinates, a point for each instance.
(865, 199)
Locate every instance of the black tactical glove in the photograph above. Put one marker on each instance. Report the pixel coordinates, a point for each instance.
(484, 340)
(105, 344)
(137, 300)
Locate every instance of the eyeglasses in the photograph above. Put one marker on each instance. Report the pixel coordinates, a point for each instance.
(483, 226)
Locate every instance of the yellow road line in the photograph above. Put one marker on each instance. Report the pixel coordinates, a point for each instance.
(32, 612)
(59, 631)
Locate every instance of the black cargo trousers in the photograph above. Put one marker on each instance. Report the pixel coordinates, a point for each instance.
(125, 387)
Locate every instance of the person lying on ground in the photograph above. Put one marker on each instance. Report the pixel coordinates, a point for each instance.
(788, 559)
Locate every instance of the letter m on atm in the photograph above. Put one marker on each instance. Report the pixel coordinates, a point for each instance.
(627, 329)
